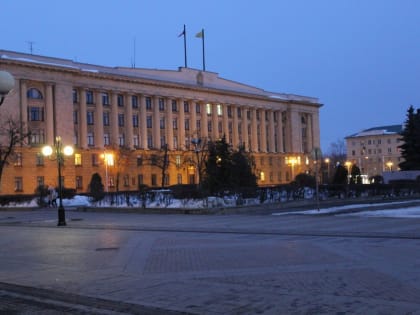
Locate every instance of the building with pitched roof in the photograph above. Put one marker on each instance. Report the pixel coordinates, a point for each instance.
(103, 110)
(375, 150)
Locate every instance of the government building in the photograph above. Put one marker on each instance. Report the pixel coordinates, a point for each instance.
(375, 150)
(122, 121)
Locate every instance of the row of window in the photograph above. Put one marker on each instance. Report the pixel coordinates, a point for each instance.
(375, 141)
(371, 151)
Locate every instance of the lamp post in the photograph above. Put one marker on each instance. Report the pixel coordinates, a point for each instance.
(108, 161)
(348, 164)
(327, 161)
(7, 82)
(60, 153)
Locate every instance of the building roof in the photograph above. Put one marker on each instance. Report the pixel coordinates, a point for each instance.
(377, 131)
(186, 76)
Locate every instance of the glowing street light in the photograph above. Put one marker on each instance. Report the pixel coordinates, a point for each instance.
(292, 161)
(108, 161)
(389, 164)
(57, 153)
(348, 165)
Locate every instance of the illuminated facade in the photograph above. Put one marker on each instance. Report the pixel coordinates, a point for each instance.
(100, 110)
(375, 150)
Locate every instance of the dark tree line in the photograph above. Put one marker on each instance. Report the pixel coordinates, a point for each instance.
(410, 149)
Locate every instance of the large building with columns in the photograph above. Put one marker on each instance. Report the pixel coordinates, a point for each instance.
(130, 114)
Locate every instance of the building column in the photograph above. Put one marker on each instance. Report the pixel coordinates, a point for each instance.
(271, 133)
(245, 134)
(156, 123)
(225, 123)
(49, 113)
(254, 131)
(143, 122)
(263, 131)
(294, 133)
(315, 130)
(99, 121)
(279, 129)
(114, 119)
(235, 134)
(214, 122)
(204, 121)
(169, 125)
(128, 102)
(181, 125)
(83, 120)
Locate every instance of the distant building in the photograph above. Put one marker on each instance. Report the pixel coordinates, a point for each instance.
(101, 109)
(375, 150)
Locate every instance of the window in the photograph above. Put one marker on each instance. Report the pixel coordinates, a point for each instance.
(148, 103)
(139, 160)
(120, 100)
(209, 127)
(40, 181)
(208, 109)
(179, 179)
(187, 124)
(198, 125)
(174, 106)
(106, 118)
(37, 136)
(229, 111)
(161, 104)
(75, 117)
(121, 120)
(105, 99)
(34, 94)
(89, 117)
(121, 140)
(176, 142)
(186, 107)
(77, 159)
(18, 183)
(39, 159)
(79, 182)
(18, 159)
(126, 180)
(154, 180)
(150, 141)
(95, 159)
(106, 139)
(75, 96)
(162, 123)
(149, 121)
(162, 141)
(35, 114)
(197, 108)
(219, 110)
(175, 123)
(136, 141)
(89, 97)
(135, 120)
(140, 179)
(134, 101)
(178, 161)
(239, 113)
(90, 139)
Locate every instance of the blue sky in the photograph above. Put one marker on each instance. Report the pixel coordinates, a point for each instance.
(361, 58)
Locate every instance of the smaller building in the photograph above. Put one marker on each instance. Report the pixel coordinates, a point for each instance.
(375, 150)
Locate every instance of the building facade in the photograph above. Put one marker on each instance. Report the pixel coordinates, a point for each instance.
(122, 121)
(375, 150)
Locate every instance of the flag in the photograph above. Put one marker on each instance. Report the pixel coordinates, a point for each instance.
(182, 33)
(199, 34)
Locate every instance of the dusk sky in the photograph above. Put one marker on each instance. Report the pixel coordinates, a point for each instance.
(361, 58)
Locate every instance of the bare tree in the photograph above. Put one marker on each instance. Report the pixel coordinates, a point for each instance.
(12, 134)
(337, 152)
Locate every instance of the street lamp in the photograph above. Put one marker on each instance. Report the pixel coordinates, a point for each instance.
(389, 164)
(60, 153)
(348, 164)
(327, 161)
(292, 161)
(7, 82)
(108, 161)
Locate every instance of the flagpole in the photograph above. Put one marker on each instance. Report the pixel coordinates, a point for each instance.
(185, 46)
(204, 60)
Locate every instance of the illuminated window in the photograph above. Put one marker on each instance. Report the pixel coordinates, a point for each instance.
(18, 184)
(18, 159)
(77, 159)
(262, 176)
(208, 109)
(219, 110)
(178, 161)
